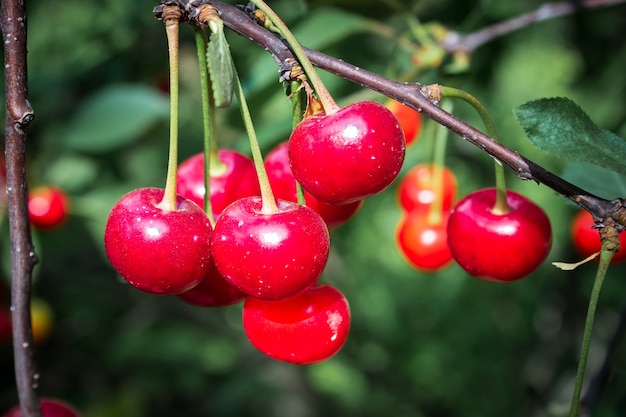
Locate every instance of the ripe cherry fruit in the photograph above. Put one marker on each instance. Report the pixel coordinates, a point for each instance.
(305, 329)
(409, 119)
(283, 185)
(233, 179)
(422, 240)
(500, 247)
(157, 250)
(348, 155)
(48, 207)
(586, 238)
(212, 291)
(50, 407)
(270, 255)
(417, 188)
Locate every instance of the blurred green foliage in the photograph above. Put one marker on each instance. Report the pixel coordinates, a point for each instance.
(441, 344)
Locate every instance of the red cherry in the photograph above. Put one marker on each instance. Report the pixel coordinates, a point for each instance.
(423, 240)
(235, 179)
(283, 185)
(349, 155)
(587, 240)
(409, 119)
(270, 256)
(305, 329)
(50, 407)
(48, 207)
(156, 250)
(417, 189)
(498, 247)
(212, 291)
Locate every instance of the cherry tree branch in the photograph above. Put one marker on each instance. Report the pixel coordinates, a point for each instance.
(19, 114)
(414, 95)
(456, 42)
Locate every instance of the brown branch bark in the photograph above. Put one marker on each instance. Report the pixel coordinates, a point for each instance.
(19, 114)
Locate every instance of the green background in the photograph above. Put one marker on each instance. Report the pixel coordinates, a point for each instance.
(442, 344)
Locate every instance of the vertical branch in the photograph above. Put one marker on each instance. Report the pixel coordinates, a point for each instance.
(19, 114)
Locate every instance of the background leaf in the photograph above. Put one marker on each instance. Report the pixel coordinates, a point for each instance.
(602, 182)
(114, 117)
(560, 127)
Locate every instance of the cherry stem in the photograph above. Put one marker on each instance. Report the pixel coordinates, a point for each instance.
(606, 255)
(439, 157)
(501, 205)
(329, 104)
(169, 197)
(269, 202)
(297, 114)
(208, 122)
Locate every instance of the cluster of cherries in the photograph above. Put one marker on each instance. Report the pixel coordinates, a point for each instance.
(267, 252)
(493, 243)
(501, 246)
(270, 253)
(488, 244)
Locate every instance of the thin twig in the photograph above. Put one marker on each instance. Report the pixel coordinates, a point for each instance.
(456, 42)
(19, 114)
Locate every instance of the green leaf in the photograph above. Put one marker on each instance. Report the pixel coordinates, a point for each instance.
(220, 67)
(114, 117)
(560, 127)
(600, 181)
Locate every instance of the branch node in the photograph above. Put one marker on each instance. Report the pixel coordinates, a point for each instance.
(432, 92)
(290, 70)
(203, 15)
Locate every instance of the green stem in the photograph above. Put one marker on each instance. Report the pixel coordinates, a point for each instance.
(208, 122)
(605, 260)
(438, 162)
(329, 104)
(298, 107)
(169, 197)
(269, 202)
(501, 206)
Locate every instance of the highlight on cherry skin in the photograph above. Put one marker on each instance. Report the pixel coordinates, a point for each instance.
(48, 207)
(270, 256)
(348, 155)
(283, 185)
(308, 328)
(157, 250)
(498, 247)
(586, 238)
(234, 178)
(50, 407)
